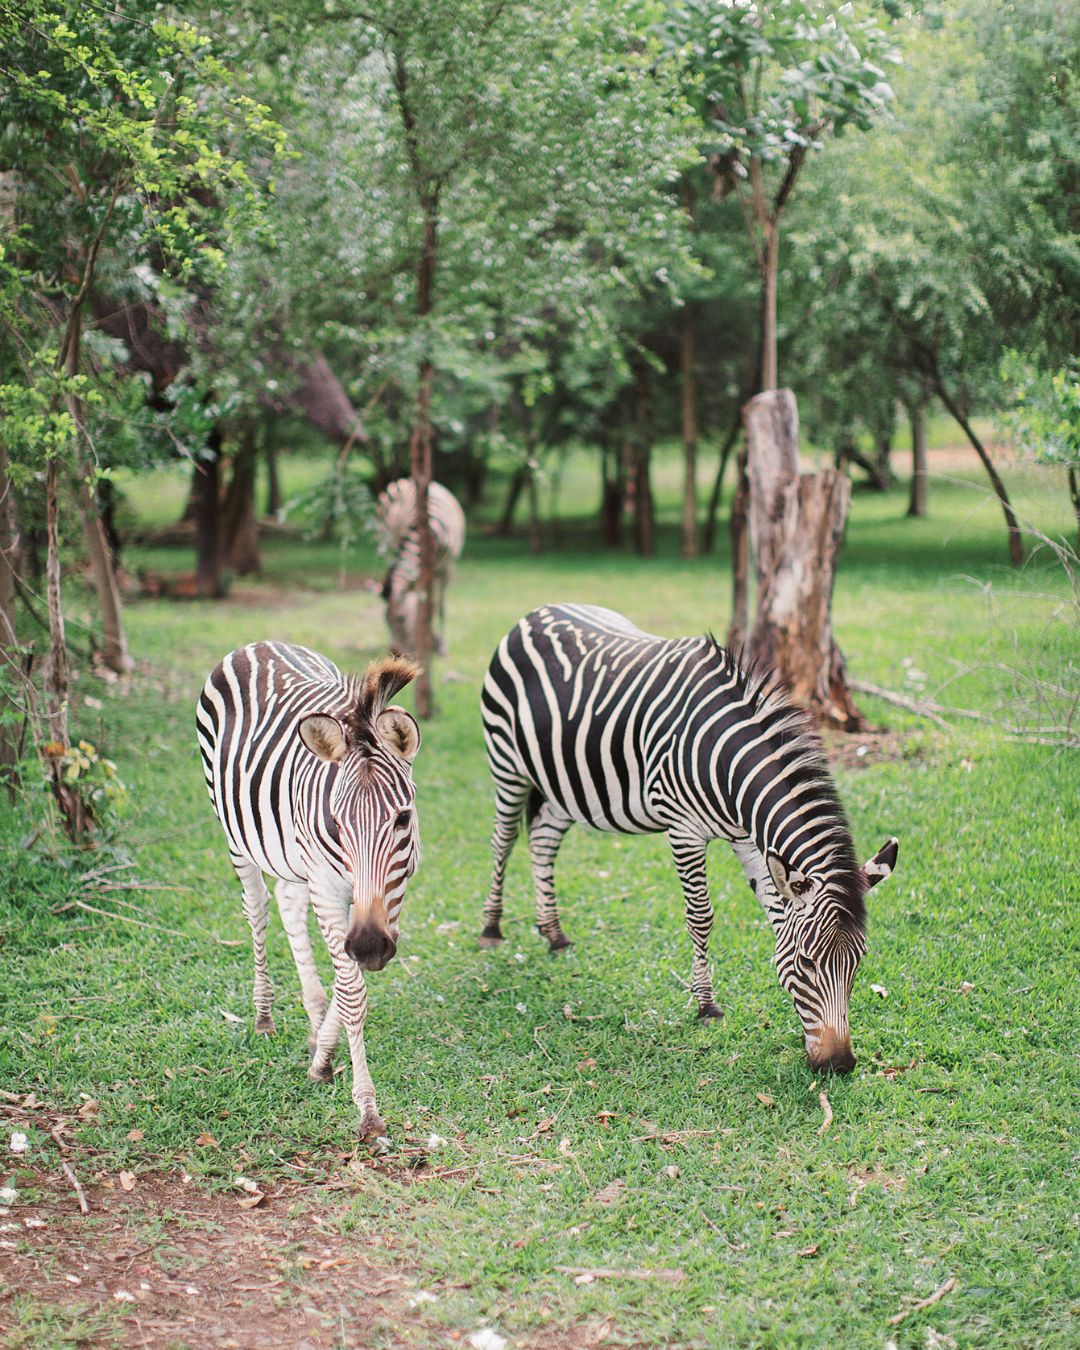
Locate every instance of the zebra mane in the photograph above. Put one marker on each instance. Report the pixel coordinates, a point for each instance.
(765, 694)
(375, 689)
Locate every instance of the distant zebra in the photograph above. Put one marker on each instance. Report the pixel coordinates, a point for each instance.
(399, 540)
(310, 773)
(588, 719)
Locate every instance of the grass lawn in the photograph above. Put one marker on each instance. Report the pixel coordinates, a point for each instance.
(589, 1120)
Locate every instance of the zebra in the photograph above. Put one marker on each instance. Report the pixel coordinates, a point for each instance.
(399, 540)
(310, 774)
(589, 719)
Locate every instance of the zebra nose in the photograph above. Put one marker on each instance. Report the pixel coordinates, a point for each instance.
(832, 1053)
(370, 945)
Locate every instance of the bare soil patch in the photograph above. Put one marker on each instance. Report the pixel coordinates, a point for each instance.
(168, 1264)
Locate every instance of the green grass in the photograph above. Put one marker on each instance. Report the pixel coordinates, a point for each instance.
(959, 1161)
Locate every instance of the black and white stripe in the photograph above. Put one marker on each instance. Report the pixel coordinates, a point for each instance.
(310, 773)
(588, 719)
(399, 542)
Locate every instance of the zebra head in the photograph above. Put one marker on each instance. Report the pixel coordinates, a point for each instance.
(819, 943)
(370, 799)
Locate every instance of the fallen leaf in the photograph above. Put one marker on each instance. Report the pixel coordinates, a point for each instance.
(251, 1201)
(784, 1232)
(808, 1251)
(824, 1103)
(607, 1195)
(246, 1184)
(19, 1142)
(564, 1147)
(966, 986)
(230, 1017)
(584, 1064)
(134, 1136)
(880, 990)
(206, 1141)
(544, 1126)
(89, 1108)
(568, 1012)
(765, 1099)
(127, 1180)
(672, 1171)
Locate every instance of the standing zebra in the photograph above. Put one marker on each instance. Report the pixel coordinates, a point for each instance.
(587, 718)
(399, 540)
(310, 774)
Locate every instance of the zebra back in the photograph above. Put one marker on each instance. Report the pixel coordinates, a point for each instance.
(398, 537)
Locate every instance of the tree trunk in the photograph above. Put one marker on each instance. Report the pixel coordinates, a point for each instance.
(536, 533)
(421, 454)
(612, 497)
(513, 496)
(1016, 543)
(639, 498)
(740, 567)
(796, 529)
(770, 266)
(114, 652)
(273, 478)
(208, 551)
(919, 479)
(688, 356)
(239, 527)
(1074, 493)
(708, 538)
(9, 643)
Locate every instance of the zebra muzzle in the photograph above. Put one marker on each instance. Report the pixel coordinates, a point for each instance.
(368, 940)
(831, 1052)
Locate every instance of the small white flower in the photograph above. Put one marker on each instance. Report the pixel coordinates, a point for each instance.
(435, 1141)
(521, 1007)
(486, 1339)
(19, 1142)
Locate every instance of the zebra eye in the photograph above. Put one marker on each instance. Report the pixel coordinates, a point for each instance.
(401, 821)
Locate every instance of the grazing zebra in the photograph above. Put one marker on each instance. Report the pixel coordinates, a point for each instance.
(588, 719)
(310, 774)
(399, 540)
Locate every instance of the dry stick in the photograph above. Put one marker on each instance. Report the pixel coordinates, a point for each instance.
(80, 1193)
(939, 1293)
(925, 707)
(824, 1100)
(126, 918)
(673, 1136)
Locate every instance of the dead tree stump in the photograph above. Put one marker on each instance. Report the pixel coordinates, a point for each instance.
(796, 529)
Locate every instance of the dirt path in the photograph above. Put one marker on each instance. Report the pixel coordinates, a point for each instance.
(168, 1264)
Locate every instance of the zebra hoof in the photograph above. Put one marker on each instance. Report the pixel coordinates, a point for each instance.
(372, 1126)
(321, 1073)
(559, 944)
(709, 1011)
(264, 1024)
(491, 936)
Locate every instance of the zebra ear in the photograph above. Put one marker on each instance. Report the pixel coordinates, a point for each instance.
(324, 736)
(398, 732)
(791, 884)
(881, 864)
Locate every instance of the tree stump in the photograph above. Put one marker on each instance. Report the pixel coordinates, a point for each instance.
(796, 529)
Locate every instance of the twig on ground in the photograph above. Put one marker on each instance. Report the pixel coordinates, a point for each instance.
(824, 1100)
(1063, 736)
(142, 923)
(79, 1192)
(938, 1294)
(673, 1136)
(586, 1274)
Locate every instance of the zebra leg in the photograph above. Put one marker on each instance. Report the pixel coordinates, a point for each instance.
(398, 594)
(546, 830)
(689, 855)
(293, 902)
(323, 1043)
(509, 805)
(348, 1007)
(257, 913)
